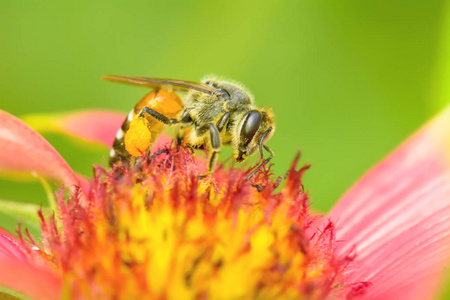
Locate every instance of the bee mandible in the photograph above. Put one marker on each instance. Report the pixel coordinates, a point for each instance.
(214, 112)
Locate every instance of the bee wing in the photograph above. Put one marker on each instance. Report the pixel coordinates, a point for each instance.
(178, 85)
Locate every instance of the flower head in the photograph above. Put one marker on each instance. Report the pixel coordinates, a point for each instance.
(156, 230)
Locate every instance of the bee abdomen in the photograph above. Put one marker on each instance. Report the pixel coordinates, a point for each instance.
(118, 152)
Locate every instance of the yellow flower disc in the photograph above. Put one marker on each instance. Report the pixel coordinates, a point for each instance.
(138, 136)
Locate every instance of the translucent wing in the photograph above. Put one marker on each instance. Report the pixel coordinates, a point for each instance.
(178, 85)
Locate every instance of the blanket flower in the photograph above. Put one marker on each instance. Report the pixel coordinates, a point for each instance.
(155, 230)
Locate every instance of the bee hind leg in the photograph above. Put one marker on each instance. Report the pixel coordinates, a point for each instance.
(162, 118)
(215, 143)
(185, 119)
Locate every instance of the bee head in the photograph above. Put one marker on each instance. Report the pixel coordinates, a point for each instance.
(254, 130)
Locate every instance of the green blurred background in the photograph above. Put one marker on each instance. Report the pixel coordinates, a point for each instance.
(348, 80)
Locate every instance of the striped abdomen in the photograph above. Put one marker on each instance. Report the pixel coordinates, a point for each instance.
(163, 101)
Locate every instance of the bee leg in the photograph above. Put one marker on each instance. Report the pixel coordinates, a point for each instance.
(162, 118)
(179, 140)
(215, 145)
(270, 152)
(185, 120)
(223, 121)
(263, 163)
(215, 138)
(156, 154)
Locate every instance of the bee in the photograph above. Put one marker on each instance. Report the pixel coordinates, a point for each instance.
(214, 112)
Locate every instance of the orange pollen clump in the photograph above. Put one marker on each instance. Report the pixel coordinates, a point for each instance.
(155, 231)
(137, 138)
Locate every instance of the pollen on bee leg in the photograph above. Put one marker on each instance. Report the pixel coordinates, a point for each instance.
(138, 137)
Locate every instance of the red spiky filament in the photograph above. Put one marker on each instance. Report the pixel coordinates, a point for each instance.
(157, 231)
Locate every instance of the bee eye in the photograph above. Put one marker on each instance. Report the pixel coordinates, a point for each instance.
(250, 127)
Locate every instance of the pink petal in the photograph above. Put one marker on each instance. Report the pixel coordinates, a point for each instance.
(23, 149)
(23, 277)
(10, 246)
(398, 217)
(94, 126)
(18, 273)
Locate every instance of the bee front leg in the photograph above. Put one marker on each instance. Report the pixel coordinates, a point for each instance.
(223, 121)
(263, 163)
(215, 143)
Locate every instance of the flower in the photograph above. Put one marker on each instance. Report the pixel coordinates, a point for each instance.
(155, 230)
